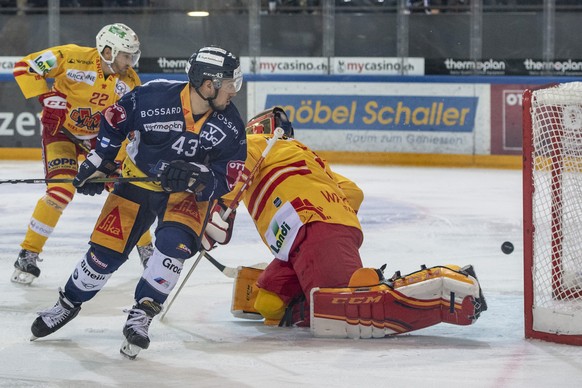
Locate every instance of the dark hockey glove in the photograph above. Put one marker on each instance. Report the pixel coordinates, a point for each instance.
(218, 230)
(54, 111)
(115, 174)
(180, 175)
(93, 167)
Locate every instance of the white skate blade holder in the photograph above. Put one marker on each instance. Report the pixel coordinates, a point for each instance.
(21, 277)
(129, 350)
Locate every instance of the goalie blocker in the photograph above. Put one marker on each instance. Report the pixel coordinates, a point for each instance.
(400, 305)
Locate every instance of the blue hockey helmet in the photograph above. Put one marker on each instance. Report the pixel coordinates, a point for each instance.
(215, 64)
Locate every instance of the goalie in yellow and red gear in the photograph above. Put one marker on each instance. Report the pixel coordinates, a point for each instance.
(307, 215)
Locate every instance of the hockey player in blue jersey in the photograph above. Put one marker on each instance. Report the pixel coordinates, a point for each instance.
(191, 137)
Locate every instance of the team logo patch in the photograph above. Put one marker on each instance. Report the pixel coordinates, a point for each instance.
(162, 282)
(187, 208)
(184, 248)
(105, 141)
(111, 224)
(280, 232)
(164, 126)
(234, 172)
(84, 118)
(43, 63)
(212, 134)
(212, 59)
(114, 115)
(97, 262)
(61, 163)
(121, 88)
(87, 77)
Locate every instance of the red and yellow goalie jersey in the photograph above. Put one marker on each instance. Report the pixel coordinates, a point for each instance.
(77, 73)
(272, 200)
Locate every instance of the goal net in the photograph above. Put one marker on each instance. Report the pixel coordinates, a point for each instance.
(552, 191)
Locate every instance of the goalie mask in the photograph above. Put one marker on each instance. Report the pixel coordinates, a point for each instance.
(215, 64)
(268, 120)
(121, 39)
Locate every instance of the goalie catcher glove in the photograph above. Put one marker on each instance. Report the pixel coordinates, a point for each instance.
(180, 175)
(54, 111)
(93, 167)
(218, 230)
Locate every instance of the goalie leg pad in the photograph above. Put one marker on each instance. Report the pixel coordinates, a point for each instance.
(451, 284)
(419, 300)
(353, 313)
(244, 293)
(437, 282)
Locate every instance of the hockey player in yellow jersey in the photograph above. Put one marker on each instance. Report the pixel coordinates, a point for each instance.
(86, 81)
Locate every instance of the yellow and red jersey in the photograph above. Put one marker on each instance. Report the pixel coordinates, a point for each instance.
(293, 187)
(77, 73)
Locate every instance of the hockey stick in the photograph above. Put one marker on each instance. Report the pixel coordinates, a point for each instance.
(78, 142)
(230, 272)
(278, 133)
(94, 180)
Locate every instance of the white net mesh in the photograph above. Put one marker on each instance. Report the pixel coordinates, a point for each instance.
(557, 208)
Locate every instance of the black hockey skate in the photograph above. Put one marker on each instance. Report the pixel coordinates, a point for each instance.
(51, 320)
(25, 268)
(136, 327)
(480, 302)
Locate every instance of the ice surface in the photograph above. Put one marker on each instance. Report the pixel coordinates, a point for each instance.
(410, 216)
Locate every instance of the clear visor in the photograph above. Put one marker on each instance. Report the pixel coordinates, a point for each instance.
(130, 58)
(232, 85)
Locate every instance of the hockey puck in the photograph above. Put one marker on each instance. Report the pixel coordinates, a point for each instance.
(507, 247)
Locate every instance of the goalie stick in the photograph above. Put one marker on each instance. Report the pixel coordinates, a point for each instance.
(277, 134)
(94, 180)
(230, 272)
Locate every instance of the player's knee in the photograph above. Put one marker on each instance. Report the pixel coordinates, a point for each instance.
(59, 195)
(270, 305)
(176, 242)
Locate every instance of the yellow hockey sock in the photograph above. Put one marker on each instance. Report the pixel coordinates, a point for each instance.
(145, 239)
(44, 219)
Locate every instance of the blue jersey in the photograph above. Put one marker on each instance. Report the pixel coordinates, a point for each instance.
(158, 119)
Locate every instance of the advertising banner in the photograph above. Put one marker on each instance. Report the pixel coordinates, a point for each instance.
(491, 66)
(377, 66)
(383, 117)
(7, 64)
(506, 118)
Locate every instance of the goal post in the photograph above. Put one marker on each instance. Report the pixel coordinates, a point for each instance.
(552, 212)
